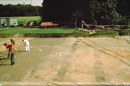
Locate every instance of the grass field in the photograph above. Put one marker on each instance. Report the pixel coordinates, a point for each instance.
(26, 18)
(107, 32)
(27, 30)
(125, 31)
(52, 31)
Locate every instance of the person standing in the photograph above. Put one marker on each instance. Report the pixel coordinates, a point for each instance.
(8, 48)
(13, 51)
(12, 42)
(26, 44)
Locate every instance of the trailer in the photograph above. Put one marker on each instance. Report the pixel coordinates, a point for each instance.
(8, 22)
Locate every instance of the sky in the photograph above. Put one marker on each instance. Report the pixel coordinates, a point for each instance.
(33, 2)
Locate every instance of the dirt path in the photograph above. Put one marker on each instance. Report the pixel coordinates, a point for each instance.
(70, 60)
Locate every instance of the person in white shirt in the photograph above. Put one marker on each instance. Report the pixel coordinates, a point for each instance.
(26, 44)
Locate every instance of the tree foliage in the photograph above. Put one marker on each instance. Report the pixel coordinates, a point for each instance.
(19, 10)
(65, 10)
(91, 11)
(105, 12)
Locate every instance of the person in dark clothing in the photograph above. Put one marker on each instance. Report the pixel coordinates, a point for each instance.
(12, 42)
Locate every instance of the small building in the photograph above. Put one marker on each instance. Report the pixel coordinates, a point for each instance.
(4, 22)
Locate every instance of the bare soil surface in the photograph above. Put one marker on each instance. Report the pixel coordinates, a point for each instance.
(67, 60)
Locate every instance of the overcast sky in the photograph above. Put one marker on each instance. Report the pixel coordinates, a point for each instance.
(33, 2)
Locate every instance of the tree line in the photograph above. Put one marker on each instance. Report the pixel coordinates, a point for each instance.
(10, 10)
(105, 12)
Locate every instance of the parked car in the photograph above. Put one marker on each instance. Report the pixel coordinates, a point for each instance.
(48, 24)
(26, 24)
(34, 24)
(20, 23)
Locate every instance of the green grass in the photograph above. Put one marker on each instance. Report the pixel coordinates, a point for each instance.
(58, 30)
(26, 18)
(125, 31)
(26, 30)
(107, 32)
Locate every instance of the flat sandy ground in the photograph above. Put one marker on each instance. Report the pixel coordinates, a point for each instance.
(67, 60)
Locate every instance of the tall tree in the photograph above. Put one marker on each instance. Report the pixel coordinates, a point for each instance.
(64, 10)
(91, 11)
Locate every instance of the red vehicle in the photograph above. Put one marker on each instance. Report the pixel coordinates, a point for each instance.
(26, 24)
(48, 24)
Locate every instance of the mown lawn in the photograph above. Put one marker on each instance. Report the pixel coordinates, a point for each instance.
(26, 18)
(58, 30)
(27, 30)
(107, 32)
(125, 31)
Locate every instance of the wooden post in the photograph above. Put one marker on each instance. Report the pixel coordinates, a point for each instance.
(82, 24)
